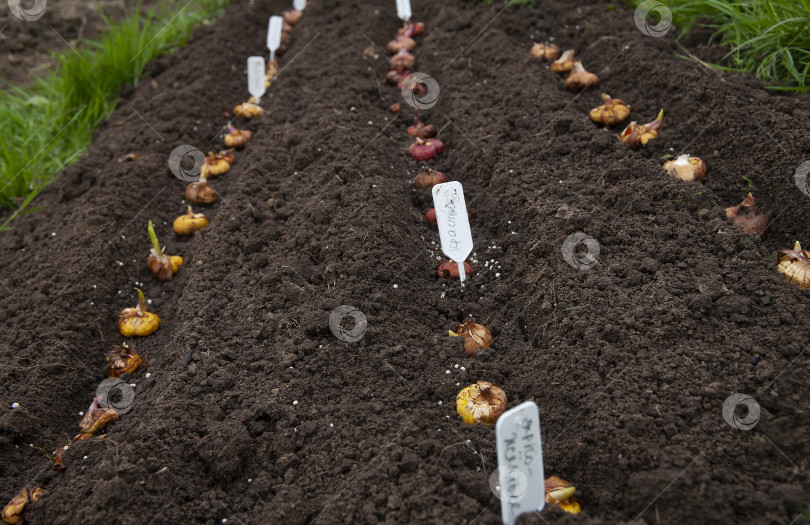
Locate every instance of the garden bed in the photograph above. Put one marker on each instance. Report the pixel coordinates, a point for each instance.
(255, 412)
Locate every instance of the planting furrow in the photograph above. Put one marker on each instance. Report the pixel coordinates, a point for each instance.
(303, 371)
(133, 322)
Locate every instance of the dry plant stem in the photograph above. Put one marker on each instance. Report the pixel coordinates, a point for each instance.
(613, 111)
(564, 63)
(129, 157)
(161, 265)
(686, 168)
(637, 135)
(58, 463)
(795, 264)
(137, 321)
(476, 336)
(747, 216)
(482, 402)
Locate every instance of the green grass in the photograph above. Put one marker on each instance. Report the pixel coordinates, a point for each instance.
(572, 308)
(769, 38)
(48, 124)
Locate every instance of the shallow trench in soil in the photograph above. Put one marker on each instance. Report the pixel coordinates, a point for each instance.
(254, 412)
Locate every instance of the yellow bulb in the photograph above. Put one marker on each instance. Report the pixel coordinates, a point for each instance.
(176, 261)
(571, 506)
(482, 402)
(247, 110)
(214, 167)
(189, 223)
(133, 325)
(137, 321)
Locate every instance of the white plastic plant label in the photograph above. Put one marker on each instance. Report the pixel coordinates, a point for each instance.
(274, 35)
(299, 5)
(520, 462)
(454, 225)
(255, 70)
(404, 9)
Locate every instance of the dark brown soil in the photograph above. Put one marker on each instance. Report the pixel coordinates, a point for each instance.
(255, 412)
(25, 45)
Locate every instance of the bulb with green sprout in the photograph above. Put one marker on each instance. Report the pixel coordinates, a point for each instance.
(161, 265)
(137, 321)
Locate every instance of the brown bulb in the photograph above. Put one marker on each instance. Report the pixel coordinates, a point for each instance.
(637, 135)
(613, 111)
(747, 216)
(402, 60)
(237, 138)
(795, 264)
(394, 77)
(580, 78)
(545, 51)
(482, 402)
(687, 168)
(476, 336)
(564, 63)
(449, 270)
(96, 418)
(560, 492)
(291, 16)
(200, 192)
(428, 178)
(399, 43)
(189, 223)
(423, 131)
